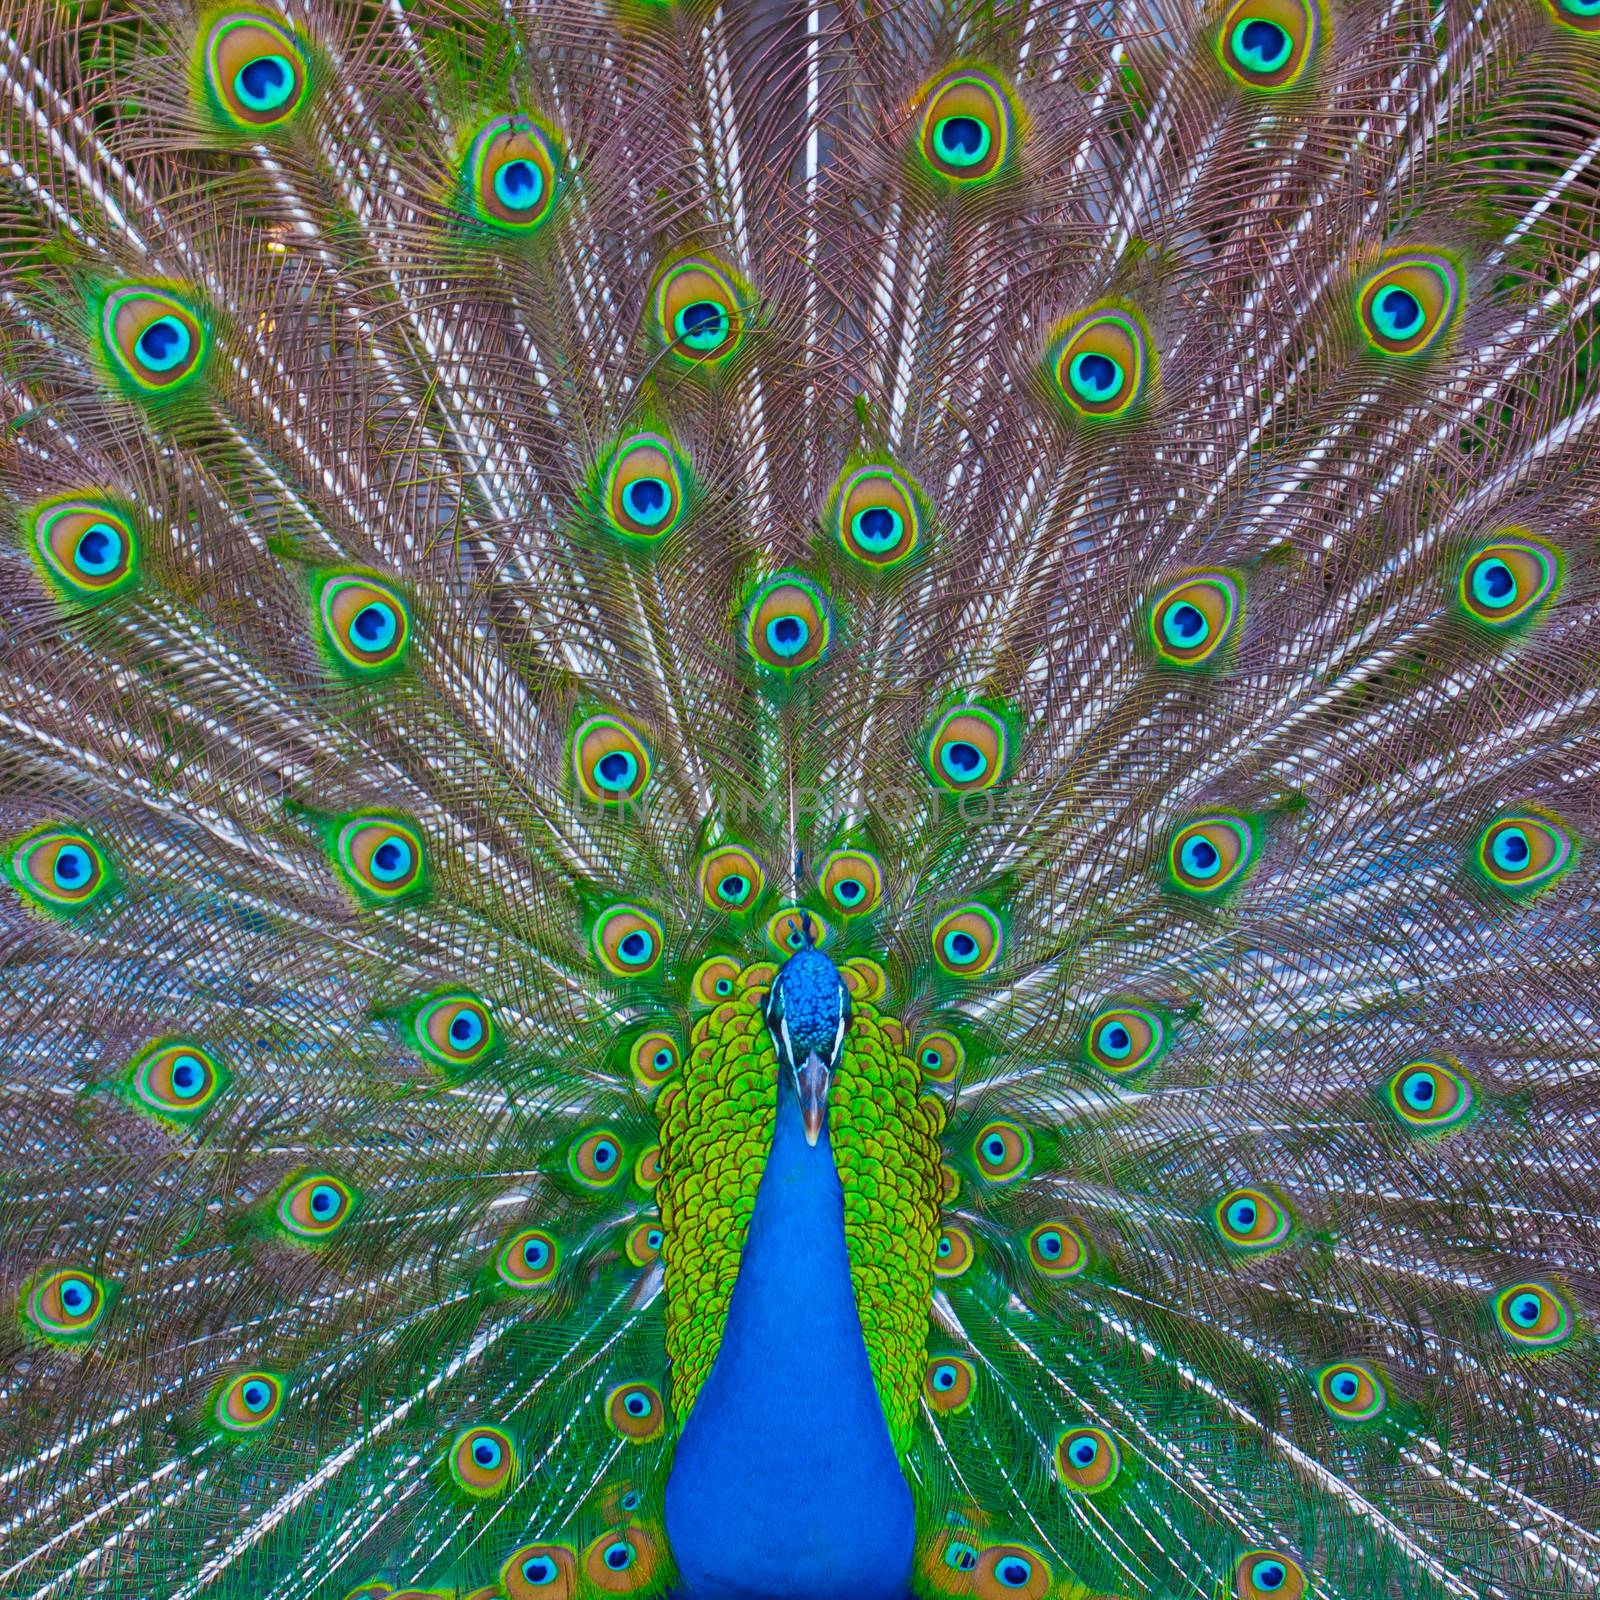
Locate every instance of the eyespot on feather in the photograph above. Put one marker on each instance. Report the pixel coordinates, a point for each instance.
(1100, 363)
(1268, 1575)
(716, 979)
(968, 750)
(647, 1168)
(253, 70)
(482, 1461)
(1088, 1460)
(968, 940)
(643, 1242)
(248, 1402)
(152, 339)
(380, 857)
(627, 941)
(540, 1572)
(952, 1254)
(1352, 1391)
(967, 127)
(621, 1561)
(643, 490)
(58, 869)
(1003, 1152)
(1011, 1572)
(1430, 1097)
(653, 1058)
(786, 931)
(595, 1159)
(175, 1079)
(948, 1383)
(787, 625)
(634, 1412)
(851, 882)
(86, 548)
(699, 311)
(1057, 1250)
(609, 760)
(1251, 1220)
(363, 623)
(314, 1208)
(877, 516)
(511, 175)
(1269, 45)
(1532, 1316)
(1524, 853)
(941, 1056)
(65, 1305)
(1212, 854)
(1409, 303)
(1125, 1039)
(730, 878)
(1505, 583)
(1192, 621)
(528, 1259)
(454, 1029)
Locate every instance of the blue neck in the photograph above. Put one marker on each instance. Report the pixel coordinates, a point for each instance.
(785, 1482)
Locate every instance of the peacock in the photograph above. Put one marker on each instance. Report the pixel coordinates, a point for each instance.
(800, 798)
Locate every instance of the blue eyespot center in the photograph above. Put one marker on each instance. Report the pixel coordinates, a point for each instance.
(734, 887)
(256, 1396)
(536, 1252)
(186, 1074)
(960, 1556)
(99, 550)
(663, 1059)
(619, 1556)
(702, 325)
(616, 770)
(1186, 625)
(962, 760)
(1269, 1575)
(72, 867)
(637, 945)
(787, 635)
(878, 527)
(1084, 1452)
(518, 185)
(632, 1500)
(1115, 1040)
(637, 1405)
(264, 83)
(604, 1154)
(725, 985)
(1201, 858)
(1242, 1215)
(391, 860)
(539, 1570)
(1095, 376)
(1261, 45)
(944, 1246)
(960, 946)
(1050, 1245)
(74, 1295)
(375, 626)
(486, 1452)
(1525, 1310)
(164, 344)
(1494, 583)
(324, 1200)
(1511, 848)
(654, 1238)
(1014, 1572)
(1345, 1386)
(1399, 311)
(849, 890)
(466, 1029)
(1420, 1090)
(647, 500)
(962, 141)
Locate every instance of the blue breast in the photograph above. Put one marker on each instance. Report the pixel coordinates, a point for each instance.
(785, 1482)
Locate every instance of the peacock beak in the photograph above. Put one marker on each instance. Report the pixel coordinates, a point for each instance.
(812, 1079)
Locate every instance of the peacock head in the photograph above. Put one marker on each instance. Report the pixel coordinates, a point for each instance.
(808, 1010)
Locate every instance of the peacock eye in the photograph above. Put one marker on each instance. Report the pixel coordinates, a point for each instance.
(1099, 362)
(595, 1160)
(537, 1569)
(1533, 1316)
(314, 1208)
(176, 1080)
(454, 1029)
(851, 881)
(952, 1254)
(1194, 619)
(528, 1260)
(877, 515)
(1125, 1039)
(1088, 1460)
(961, 1556)
(653, 1058)
(1268, 44)
(967, 127)
(364, 625)
(482, 1461)
(1012, 1568)
(1351, 1391)
(65, 1306)
(1430, 1096)
(730, 878)
(86, 548)
(948, 1384)
(609, 760)
(787, 624)
(1057, 1250)
(941, 1056)
(714, 980)
(1252, 1220)
(968, 940)
(248, 1402)
(634, 1412)
(968, 749)
(151, 338)
(58, 869)
(643, 491)
(643, 1243)
(1521, 854)
(1003, 1151)
(700, 307)
(1268, 1572)
(1409, 303)
(380, 857)
(1210, 854)
(254, 70)
(627, 941)
(512, 173)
